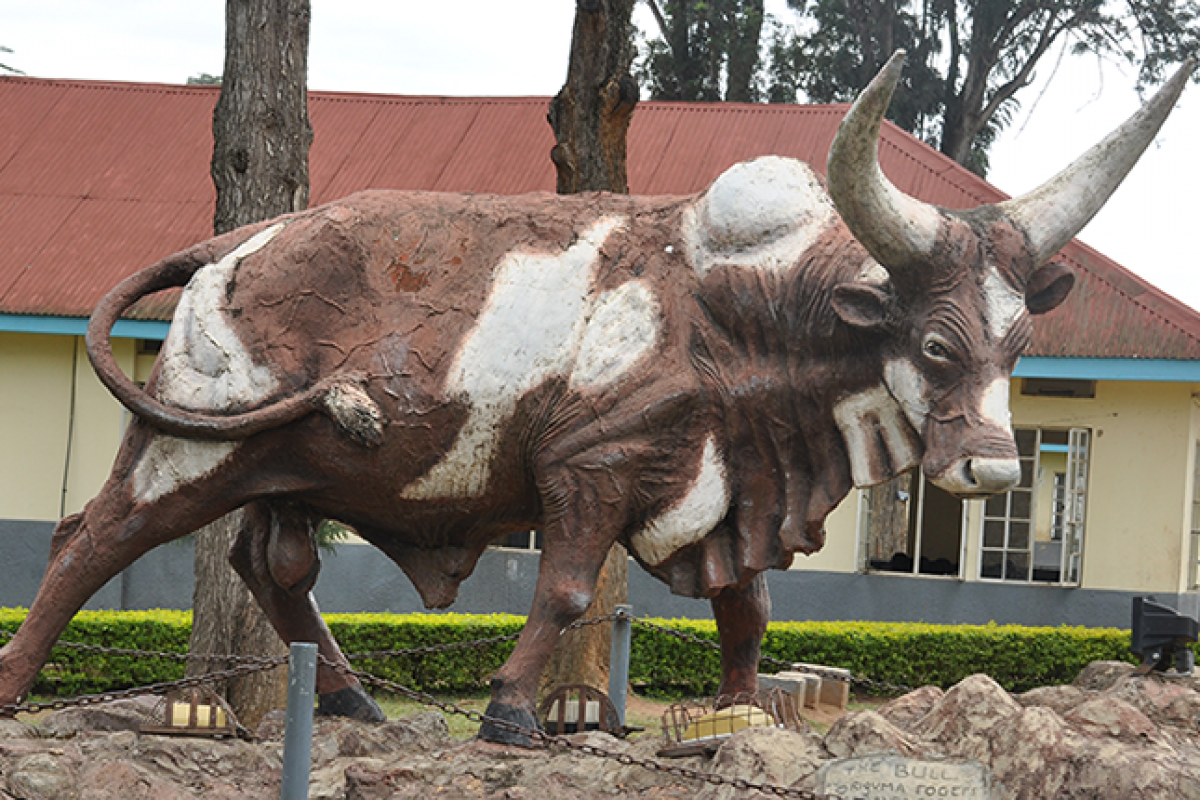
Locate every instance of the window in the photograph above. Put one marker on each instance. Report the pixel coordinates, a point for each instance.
(525, 540)
(1034, 533)
(911, 526)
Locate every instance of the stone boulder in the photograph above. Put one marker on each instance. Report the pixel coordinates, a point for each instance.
(1110, 735)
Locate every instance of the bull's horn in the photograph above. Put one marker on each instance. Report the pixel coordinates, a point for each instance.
(894, 227)
(1053, 213)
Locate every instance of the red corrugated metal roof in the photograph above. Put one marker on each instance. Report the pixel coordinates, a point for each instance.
(100, 179)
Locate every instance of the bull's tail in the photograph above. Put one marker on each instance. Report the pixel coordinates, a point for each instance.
(340, 396)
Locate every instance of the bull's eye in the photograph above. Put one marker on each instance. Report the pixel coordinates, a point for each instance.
(937, 349)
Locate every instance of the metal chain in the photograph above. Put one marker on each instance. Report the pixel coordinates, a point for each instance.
(250, 664)
(565, 743)
(254, 664)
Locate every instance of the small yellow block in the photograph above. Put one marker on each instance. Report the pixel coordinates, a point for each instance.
(725, 722)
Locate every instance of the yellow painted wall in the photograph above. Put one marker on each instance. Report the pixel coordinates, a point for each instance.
(1141, 438)
(1139, 492)
(41, 478)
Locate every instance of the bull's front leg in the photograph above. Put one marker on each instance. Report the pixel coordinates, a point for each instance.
(742, 616)
(574, 551)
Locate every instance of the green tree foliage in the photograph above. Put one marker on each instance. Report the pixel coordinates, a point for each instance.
(707, 50)
(968, 59)
(6, 67)
(204, 79)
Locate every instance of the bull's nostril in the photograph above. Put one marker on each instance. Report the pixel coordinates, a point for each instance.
(968, 473)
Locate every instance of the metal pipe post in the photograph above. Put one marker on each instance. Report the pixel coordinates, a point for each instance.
(618, 667)
(297, 736)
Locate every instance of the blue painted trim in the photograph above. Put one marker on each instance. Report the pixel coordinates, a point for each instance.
(77, 326)
(1109, 369)
(1056, 448)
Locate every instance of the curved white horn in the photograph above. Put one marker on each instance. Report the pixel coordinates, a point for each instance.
(1053, 213)
(894, 227)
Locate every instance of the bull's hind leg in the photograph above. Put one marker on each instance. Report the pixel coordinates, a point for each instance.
(275, 554)
(134, 512)
(742, 616)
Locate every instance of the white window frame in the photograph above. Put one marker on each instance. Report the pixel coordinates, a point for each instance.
(863, 528)
(1074, 513)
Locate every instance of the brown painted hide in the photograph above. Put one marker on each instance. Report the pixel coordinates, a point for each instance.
(536, 353)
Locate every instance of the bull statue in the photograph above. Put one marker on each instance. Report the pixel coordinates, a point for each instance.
(702, 379)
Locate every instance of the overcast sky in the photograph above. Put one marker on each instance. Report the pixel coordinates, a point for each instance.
(489, 47)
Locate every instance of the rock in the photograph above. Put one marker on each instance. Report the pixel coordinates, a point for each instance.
(119, 715)
(15, 729)
(122, 780)
(962, 722)
(864, 733)
(1031, 753)
(1100, 675)
(272, 726)
(908, 709)
(1113, 717)
(41, 776)
(1059, 698)
(1169, 703)
(366, 783)
(763, 755)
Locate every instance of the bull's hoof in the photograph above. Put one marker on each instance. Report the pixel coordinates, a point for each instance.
(352, 702)
(517, 715)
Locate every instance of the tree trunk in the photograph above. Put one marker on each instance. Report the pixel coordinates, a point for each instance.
(745, 31)
(590, 118)
(261, 132)
(261, 137)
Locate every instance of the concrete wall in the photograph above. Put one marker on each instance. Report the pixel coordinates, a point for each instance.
(357, 578)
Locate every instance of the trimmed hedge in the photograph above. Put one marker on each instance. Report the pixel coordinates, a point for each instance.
(1017, 657)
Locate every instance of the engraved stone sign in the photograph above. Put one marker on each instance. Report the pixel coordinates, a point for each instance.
(894, 777)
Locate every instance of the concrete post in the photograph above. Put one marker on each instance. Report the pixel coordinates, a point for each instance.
(297, 736)
(618, 668)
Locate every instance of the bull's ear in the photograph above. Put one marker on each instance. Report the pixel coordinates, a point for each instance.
(1048, 286)
(862, 305)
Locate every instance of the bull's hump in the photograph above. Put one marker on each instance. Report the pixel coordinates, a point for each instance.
(542, 320)
(760, 214)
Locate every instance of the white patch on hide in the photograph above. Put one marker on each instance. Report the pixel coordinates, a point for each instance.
(203, 367)
(759, 214)
(528, 331)
(908, 387)
(877, 436)
(622, 328)
(1003, 305)
(993, 406)
(691, 519)
(169, 463)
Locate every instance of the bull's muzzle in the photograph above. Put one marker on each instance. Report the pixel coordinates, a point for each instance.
(976, 477)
